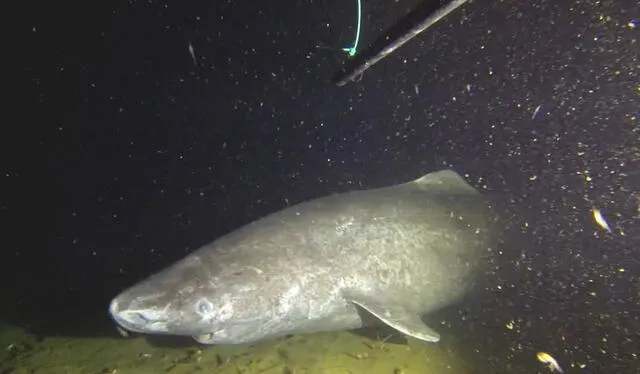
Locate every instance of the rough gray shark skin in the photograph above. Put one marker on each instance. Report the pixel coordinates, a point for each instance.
(396, 253)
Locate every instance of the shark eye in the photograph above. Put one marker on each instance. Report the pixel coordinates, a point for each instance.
(204, 307)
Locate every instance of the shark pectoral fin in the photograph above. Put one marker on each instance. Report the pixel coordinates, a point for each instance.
(204, 338)
(396, 316)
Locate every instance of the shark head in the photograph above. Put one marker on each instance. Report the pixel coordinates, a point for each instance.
(186, 300)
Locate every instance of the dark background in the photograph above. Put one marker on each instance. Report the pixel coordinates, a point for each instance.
(126, 155)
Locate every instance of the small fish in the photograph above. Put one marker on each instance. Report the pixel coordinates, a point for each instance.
(597, 215)
(192, 52)
(551, 362)
(535, 112)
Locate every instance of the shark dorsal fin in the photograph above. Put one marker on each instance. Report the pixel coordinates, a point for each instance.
(445, 179)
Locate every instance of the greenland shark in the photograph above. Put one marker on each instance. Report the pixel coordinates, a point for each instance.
(391, 255)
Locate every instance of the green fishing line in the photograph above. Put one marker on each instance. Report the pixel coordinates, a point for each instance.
(352, 51)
